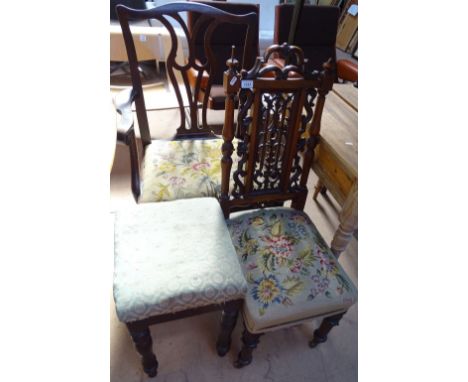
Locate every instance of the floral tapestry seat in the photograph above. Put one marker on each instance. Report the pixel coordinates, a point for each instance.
(181, 169)
(292, 274)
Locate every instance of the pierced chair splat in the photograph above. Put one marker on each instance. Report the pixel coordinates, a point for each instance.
(189, 165)
(292, 274)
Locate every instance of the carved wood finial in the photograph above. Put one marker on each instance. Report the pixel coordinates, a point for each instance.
(328, 75)
(232, 62)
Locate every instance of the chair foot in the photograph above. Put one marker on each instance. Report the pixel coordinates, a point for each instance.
(240, 363)
(144, 345)
(250, 342)
(228, 322)
(320, 335)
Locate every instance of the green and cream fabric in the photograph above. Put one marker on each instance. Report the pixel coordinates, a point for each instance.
(173, 256)
(291, 273)
(181, 169)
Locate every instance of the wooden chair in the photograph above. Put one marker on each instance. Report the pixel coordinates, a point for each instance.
(291, 272)
(189, 165)
(226, 36)
(315, 35)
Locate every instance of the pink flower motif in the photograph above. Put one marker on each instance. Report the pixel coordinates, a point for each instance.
(296, 267)
(176, 181)
(200, 166)
(281, 246)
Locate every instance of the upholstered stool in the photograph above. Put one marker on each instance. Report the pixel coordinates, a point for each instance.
(347, 70)
(292, 274)
(170, 258)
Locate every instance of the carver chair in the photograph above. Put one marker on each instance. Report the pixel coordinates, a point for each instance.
(292, 274)
(173, 260)
(187, 166)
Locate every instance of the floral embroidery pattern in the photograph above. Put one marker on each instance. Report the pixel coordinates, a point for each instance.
(181, 169)
(284, 258)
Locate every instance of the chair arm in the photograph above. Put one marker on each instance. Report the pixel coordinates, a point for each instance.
(123, 104)
(126, 135)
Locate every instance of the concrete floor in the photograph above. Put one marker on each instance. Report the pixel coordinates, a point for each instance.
(186, 348)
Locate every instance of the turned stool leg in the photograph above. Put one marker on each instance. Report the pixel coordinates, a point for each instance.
(228, 322)
(250, 342)
(320, 335)
(144, 345)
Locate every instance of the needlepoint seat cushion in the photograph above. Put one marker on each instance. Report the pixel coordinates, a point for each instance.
(292, 274)
(173, 256)
(181, 169)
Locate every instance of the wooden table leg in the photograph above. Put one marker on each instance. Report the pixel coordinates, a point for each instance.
(348, 222)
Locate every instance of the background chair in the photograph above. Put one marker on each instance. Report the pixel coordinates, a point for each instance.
(315, 34)
(291, 272)
(226, 36)
(347, 70)
(189, 165)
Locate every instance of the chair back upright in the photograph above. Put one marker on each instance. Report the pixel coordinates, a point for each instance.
(278, 126)
(209, 20)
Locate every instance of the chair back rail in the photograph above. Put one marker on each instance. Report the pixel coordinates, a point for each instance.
(278, 125)
(210, 18)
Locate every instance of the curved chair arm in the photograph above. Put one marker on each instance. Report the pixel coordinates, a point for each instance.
(123, 104)
(126, 135)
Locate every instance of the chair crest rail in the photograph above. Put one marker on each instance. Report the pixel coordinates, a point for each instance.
(210, 18)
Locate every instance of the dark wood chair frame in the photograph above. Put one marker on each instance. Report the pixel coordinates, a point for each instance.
(139, 330)
(278, 128)
(141, 336)
(190, 128)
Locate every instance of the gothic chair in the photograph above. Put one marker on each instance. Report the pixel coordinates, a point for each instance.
(173, 260)
(292, 274)
(189, 165)
(226, 36)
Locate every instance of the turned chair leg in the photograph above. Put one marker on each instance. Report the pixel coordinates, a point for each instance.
(250, 342)
(320, 335)
(228, 322)
(144, 345)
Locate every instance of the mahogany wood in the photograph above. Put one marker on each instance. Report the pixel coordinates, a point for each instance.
(228, 322)
(277, 129)
(249, 343)
(139, 331)
(210, 18)
(141, 337)
(320, 335)
(207, 22)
